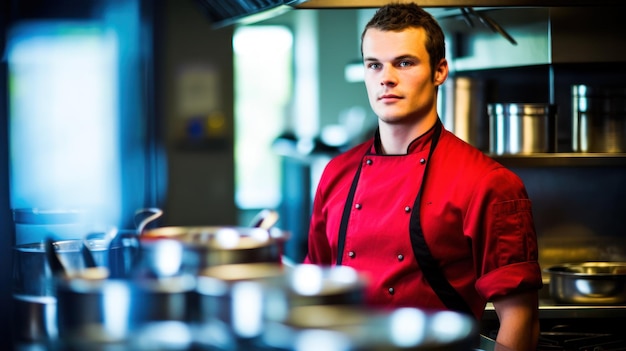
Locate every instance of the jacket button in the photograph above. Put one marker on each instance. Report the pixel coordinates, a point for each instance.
(407, 209)
(423, 160)
(351, 254)
(391, 291)
(357, 206)
(400, 257)
(369, 162)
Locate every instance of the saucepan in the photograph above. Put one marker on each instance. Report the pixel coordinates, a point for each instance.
(594, 283)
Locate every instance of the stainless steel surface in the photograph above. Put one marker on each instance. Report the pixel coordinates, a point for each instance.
(34, 318)
(598, 119)
(265, 219)
(244, 298)
(321, 4)
(553, 311)
(145, 216)
(35, 225)
(521, 128)
(306, 285)
(222, 245)
(340, 327)
(493, 25)
(464, 111)
(234, 297)
(588, 283)
(103, 311)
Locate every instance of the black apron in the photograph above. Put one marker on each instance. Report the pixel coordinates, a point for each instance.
(430, 268)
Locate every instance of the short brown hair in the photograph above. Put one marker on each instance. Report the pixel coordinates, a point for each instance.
(399, 16)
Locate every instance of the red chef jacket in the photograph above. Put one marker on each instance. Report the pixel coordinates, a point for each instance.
(475, 215)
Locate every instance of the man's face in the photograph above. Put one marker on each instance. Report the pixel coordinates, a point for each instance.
(399, 81)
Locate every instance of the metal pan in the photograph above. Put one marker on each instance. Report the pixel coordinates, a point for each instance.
(592, 283)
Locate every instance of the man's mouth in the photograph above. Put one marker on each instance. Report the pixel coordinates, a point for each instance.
(388, 97)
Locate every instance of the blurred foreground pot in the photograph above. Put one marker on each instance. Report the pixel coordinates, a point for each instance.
(352, 328)
(101, 311)
(212, 246)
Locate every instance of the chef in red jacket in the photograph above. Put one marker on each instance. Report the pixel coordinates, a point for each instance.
(432, 221)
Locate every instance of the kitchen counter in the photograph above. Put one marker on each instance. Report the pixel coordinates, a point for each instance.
(551, 310)
(548, 309)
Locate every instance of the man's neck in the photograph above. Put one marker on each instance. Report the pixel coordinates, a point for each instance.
(396, 138)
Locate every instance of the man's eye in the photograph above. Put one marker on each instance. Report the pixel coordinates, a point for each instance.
(405, 63)
(373, 66)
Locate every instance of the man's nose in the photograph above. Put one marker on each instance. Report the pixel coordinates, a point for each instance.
(388, 76)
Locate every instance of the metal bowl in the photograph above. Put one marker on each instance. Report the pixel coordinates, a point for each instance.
(593, 283)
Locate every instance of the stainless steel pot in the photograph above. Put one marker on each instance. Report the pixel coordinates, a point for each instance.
(594, 283)
(307, 285)
(94, 312)
(33, 284)
(219, 245)
(352, 328)
(232, 298)
(521, 128)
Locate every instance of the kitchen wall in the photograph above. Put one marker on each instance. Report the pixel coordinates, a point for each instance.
(195, 80)
(578, 200)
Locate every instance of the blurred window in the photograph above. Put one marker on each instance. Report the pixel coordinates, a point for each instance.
(263, 90)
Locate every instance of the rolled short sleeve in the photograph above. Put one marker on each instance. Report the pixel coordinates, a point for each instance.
(510, 254)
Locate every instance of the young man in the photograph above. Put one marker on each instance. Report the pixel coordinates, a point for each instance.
(431, 220)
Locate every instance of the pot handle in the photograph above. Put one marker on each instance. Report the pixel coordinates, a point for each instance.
(151, 214)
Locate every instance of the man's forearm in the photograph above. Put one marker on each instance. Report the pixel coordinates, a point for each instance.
(519, 322)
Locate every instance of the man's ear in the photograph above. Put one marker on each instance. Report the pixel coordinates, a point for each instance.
(441, 72)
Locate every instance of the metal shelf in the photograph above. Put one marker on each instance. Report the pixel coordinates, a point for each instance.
(563, 160)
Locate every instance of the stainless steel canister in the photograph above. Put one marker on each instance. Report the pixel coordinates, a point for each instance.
(522, 128)
(598, 119)
(463, 110)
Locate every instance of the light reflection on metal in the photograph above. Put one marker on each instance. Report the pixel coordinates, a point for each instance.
(408, 327)
(316, 340)
(307, 280)
(168, 257)
(449, 326)
(247, 309)
(116, 308)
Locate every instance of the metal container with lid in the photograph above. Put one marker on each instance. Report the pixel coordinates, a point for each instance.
(522, 128)
(598, 119)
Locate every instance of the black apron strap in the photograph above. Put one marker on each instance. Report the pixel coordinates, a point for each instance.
(343, 226)
(430, 267)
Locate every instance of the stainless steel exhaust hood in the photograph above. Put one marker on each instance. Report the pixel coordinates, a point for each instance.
(223, 13)
(324, 4)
